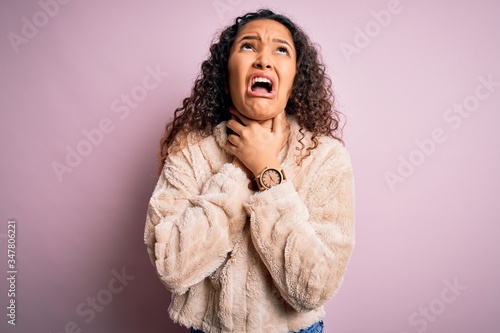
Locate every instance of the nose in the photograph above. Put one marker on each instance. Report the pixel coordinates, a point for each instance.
(263, 61)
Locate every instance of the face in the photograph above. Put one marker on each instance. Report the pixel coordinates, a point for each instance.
(262, 67)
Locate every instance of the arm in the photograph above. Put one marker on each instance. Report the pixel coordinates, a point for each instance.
(194, 218)
(306, 240)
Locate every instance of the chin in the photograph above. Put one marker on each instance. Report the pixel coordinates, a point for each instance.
(261, 116)
(261, 113)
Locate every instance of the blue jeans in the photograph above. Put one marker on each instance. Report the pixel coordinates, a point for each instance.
(314, 328)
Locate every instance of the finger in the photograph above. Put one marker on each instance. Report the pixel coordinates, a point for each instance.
(279, 122)
(235, 126)
(231, 149)
(233, 140)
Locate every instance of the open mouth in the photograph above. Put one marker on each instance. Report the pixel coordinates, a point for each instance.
(261, 85)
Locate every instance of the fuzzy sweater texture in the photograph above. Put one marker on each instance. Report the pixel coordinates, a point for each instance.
(242, 261)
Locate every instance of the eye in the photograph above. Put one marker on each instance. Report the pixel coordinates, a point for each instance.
(282, 50)
(246, 47)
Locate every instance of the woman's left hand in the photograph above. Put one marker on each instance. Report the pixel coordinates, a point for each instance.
(257, 144)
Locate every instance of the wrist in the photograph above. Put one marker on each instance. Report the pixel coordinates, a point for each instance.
(259, 168)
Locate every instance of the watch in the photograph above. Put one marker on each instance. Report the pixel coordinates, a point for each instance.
(269, 177)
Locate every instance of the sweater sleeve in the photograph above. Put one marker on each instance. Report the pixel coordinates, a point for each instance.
(194, 218)
(306, 240)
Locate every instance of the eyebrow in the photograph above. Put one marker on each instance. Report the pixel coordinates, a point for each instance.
(279, 40)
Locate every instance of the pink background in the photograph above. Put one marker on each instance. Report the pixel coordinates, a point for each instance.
(437, 225)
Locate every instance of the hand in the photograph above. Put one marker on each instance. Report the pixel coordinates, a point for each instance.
(257, 144)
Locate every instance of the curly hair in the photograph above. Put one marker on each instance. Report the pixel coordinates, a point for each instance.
(311, 100)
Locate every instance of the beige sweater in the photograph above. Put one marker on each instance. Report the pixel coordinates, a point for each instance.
(239, 261)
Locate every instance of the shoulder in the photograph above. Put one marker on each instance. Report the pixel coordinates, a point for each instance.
(333, 147)
(186, 142)
(202, 154)
(331, 153)
(327, 151)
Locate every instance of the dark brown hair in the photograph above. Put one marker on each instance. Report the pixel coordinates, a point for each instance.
(311, 100)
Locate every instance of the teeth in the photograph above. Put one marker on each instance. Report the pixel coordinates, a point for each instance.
(261, 79)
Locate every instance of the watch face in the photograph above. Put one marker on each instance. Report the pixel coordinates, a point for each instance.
(270, 178)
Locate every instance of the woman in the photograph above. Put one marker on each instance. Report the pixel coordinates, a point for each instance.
(251, 223)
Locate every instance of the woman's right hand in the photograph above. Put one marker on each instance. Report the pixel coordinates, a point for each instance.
(257, 144)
